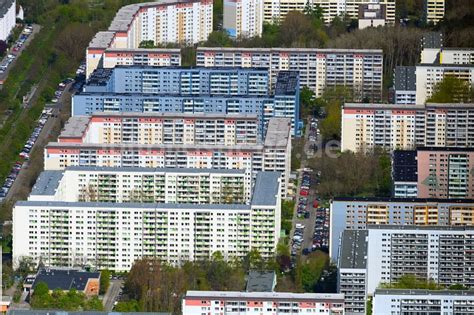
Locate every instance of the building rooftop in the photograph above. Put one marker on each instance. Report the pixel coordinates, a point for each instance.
(100, 76)
(446, 149)
(287, 83)
(432, 40)
(297, 50)
(424, 292)
(278, 132)
(266, 189)
(101, 40)
(146, 50)
(261, 281)
(75, 126)
(47, 183)
(5, 5)
(403, 200)
(375, 106)
(405, 78)
(420, 227)
(404, 166)
(62, 312)
(65, 279)
(446, 65)
(265, 295)
(353, 251)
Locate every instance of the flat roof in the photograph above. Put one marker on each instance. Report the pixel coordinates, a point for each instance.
(5, 5)
(278, 132)
(405, 78)
(424, 292)
(287, 83)
(62, 312)
(446, 149)
(47, 183)
(296, 50)
(432, 40)
(376, 106)
(420, 227)
(404, 166)
(403, 200)
(101, 40)
(266, 189)
(172, 95)
(64, 279)
(265, 295)
(75, 127)
(353, 251)
(146, 50)
(260, 281)
(445, 65)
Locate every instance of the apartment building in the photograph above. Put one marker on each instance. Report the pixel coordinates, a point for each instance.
(192, 91)
(447, 55)
(243, 18)
(358, 213)
(404, 174)
(429, 75)
(371, 15)
(161, 22)
(445, 172)
(405, 85)
(265, 303)
(365, 126)
(145, 185)
(358, 69)
(438, 253)
(276, 10)
(114, 235)
(156, 57)
(7, 18)
(434, 10)
(274, 154)
(163, 128)
(412, 302)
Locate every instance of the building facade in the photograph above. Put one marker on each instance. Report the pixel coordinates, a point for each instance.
(243, 18)
(429, 75)
(365, 126)
(163, 128)
(146, 185)
(191, 91)
(437, 253)
(114, 235)
(274, 154)
(7, 18)
(159, 22)
(358, 213)
(411, 302)
(371, 15)
(276, 10)
(265, 303)
(361, 70)
(445, 172)
(434, 10)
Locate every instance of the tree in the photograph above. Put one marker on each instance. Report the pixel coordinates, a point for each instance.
(147, 44)
(73, 39)
(104, 281)
(452, 90)
(219, 39)
(312, 269)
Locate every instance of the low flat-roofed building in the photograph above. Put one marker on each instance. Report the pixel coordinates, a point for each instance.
(68, 279)
(261, 281)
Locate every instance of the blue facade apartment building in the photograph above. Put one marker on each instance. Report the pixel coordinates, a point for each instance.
(191, 90)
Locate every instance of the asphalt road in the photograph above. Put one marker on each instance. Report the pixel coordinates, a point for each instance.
(111, 295)
(4, 75)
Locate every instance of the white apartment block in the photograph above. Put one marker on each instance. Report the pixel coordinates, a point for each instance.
(140, 56)
(146, 185)
(164, 21)
(365, 126)
(273, 154)
(333, 8)
(387, 253)
(7, 18)
(243, 18)
(162, 128)
(413, 302)
(447, 55)
(263, 303)
(358, 69)
(428, 75)
(276, 10)
(114, 235)
(434, 10)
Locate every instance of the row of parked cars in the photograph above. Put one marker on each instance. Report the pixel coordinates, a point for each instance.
(297, 240)
(321, 229)
(18, 44)
(59, 91)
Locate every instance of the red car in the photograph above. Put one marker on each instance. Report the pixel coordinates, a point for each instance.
(315, 204)
(304, 192)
